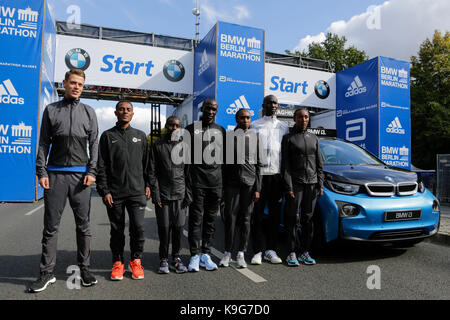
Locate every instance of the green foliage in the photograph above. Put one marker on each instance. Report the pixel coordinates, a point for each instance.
(430, 110)
(333, 49)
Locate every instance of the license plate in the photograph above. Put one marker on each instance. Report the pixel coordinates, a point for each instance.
(402, 215)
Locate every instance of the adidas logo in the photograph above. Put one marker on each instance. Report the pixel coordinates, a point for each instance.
(204, 63)
(8, 93)
(356, 87)
(395, 127)
(240, 103)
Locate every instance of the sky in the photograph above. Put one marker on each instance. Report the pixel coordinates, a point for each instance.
(393, 28)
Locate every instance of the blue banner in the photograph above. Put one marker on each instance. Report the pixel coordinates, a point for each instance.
(240, 72)
(204, 71)
(395, 116)
(21, 31)
(47, 93)
(357, 105)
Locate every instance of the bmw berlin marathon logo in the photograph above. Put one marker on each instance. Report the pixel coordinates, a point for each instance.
(77, 59)
(322, 89)
(173, 70)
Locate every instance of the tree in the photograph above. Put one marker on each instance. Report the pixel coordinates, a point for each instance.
(430, 109)
(333, 49)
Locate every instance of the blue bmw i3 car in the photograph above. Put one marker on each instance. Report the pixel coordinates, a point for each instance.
(366, 200)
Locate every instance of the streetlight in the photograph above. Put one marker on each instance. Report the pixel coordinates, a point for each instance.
(196, 13)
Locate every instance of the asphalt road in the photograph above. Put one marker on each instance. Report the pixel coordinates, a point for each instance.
(420, 272)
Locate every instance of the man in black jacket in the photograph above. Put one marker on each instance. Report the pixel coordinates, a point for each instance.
(170, 194)
(242, 185)
(302, 171)
(68, 128)
(122, 183)
(206, 176)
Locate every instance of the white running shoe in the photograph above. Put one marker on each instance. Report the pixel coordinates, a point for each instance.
(226, 259)
(257, 258)
(207, 263)
(272, 256)
(240, 259)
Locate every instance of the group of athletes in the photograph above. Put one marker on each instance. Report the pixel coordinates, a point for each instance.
(249, 174)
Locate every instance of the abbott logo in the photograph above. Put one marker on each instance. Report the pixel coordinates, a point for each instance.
(240, 103)
(395, 127)
(8, 93)
(356, 87)
(358, 125)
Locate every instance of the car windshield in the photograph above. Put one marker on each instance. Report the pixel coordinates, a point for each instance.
(335, 152)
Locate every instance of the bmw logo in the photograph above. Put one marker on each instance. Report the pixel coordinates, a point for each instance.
(173, 70)
(77, 59)
(322, 89)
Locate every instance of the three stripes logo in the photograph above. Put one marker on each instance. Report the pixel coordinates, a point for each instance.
(355, 88)
(240, 103)
(395, 127)
(204, 63)
(9, 94)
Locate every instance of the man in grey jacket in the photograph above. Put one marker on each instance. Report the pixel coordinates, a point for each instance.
(68, 129)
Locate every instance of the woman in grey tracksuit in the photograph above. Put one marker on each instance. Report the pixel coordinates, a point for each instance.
(302, 171)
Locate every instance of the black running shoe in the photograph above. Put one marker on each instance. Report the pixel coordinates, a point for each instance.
(87, 279)
(42, 282)
(178, 266)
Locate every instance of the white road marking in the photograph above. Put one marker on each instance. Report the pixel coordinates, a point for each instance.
(34, 210)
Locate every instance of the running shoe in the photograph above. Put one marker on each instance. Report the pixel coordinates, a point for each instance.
(137, 270)
(194, 264)
(226, 259)
(163, 267)
(292, 260)
(178, 266)
(87, 279)
(257, 258)
(272, 256)
(207, 263)
(42, 282)
(240, 259)
(305, 258)
(118, 270)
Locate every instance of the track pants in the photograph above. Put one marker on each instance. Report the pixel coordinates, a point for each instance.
(300, 230)
(238, 210)
(272, 194)
(135, 206)
(170, 219)
(202, 216)
(65, 185)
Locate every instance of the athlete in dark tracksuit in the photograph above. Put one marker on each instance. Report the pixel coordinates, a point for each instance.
(303, 177)
(242, 186)
(170, 195)
(122, 183)
(69, 129)
(206, 176)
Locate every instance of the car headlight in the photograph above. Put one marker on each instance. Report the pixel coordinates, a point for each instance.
(344, 188)
(347, 209)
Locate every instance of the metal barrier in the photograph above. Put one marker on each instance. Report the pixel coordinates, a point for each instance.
(443, 177)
